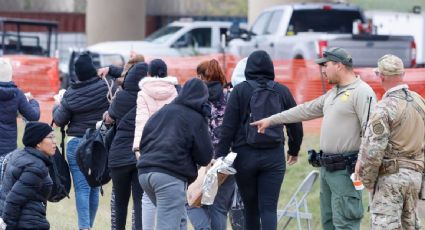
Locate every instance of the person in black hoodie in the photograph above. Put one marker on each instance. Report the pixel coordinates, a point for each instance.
(26, 183)
(260, 171)
(174, 141)
(82, 105)
(122, 160)
(214, 216)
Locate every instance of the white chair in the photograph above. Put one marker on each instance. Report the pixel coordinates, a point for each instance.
(297, 206)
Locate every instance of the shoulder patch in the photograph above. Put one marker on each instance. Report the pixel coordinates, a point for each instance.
(378, 128)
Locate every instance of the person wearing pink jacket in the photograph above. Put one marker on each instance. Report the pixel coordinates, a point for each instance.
(155, 92)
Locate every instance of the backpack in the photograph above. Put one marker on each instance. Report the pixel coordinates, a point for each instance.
(265, 101)
(92, 157)
(59, 173)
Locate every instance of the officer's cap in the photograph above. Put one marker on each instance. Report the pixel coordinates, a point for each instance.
(336, 54)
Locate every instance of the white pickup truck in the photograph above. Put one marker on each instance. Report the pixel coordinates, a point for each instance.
(179, 38)
(303, 31)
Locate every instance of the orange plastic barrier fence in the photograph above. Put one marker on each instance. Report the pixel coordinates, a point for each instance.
(302, 77)
(38, 75)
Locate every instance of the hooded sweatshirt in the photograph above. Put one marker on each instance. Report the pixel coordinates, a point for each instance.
(259, 68)
(175, 139)
(12, 101)
(154, 94)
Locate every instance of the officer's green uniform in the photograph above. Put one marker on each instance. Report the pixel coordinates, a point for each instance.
(344, 111)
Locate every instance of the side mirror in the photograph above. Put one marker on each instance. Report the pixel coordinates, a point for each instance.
(235, 31)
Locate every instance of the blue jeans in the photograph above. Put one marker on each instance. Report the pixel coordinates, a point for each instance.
(214, 216)
(86, 197)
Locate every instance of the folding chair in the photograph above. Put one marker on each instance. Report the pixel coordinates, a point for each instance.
(297, 205)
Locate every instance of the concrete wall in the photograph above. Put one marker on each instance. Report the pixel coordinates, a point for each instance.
(197, 7)
(111, 20)
(38, 5)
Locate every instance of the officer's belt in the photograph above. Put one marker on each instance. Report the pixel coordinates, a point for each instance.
(391, 166)
(339, 161)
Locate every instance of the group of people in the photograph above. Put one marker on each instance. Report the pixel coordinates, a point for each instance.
(164, 132)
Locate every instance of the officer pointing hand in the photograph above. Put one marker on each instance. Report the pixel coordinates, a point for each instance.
(261, 125)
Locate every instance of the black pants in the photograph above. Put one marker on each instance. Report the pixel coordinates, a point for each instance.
(260, 176)
(125, 181)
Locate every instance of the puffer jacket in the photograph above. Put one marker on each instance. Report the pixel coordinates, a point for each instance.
(25, 188)
(154, 94)
(123, 111)
(12, 101)
(82, 105)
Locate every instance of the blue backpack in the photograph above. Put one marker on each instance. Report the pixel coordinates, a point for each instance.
(265, 101)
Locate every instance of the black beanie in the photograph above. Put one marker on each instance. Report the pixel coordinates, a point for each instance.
(35, 132)
(157, 68)
(84, 68)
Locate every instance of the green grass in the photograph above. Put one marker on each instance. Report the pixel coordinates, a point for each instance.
(62, 215)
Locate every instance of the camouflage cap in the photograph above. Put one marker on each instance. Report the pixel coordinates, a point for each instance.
(336, 54)
(390, 65)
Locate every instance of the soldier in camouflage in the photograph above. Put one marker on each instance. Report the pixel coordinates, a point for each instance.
(391, 158)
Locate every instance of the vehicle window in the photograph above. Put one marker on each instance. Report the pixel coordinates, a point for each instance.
(260, 23)
(274, 22)
(162, 35)
(200, 36)
(330, 21)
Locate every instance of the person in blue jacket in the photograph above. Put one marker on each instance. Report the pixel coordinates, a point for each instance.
(12, 102)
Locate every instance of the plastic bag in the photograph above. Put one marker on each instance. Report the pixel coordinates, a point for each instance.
(216, 176)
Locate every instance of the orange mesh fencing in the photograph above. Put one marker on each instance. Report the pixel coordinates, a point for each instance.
(38, 75)
(302, 77)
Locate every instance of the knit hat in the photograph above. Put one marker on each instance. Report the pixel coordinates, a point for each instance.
(84, 68)
(158, 68)
(35, 132)
(5, 70)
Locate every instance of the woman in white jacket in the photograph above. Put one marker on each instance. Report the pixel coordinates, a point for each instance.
(155, 92)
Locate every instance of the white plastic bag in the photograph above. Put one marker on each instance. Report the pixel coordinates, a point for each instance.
(215, 176)
(3, 225)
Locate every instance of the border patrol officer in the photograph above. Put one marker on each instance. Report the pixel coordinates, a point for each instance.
(344, 109)
(391, 155)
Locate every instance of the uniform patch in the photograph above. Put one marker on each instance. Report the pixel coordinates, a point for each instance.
(345, 96)
(378, 128)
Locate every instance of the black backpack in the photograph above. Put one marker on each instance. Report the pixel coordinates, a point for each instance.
(60, 174)
(92, 157)
(265, 101)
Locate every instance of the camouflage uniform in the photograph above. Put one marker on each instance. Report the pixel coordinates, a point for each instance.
(392, 158)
